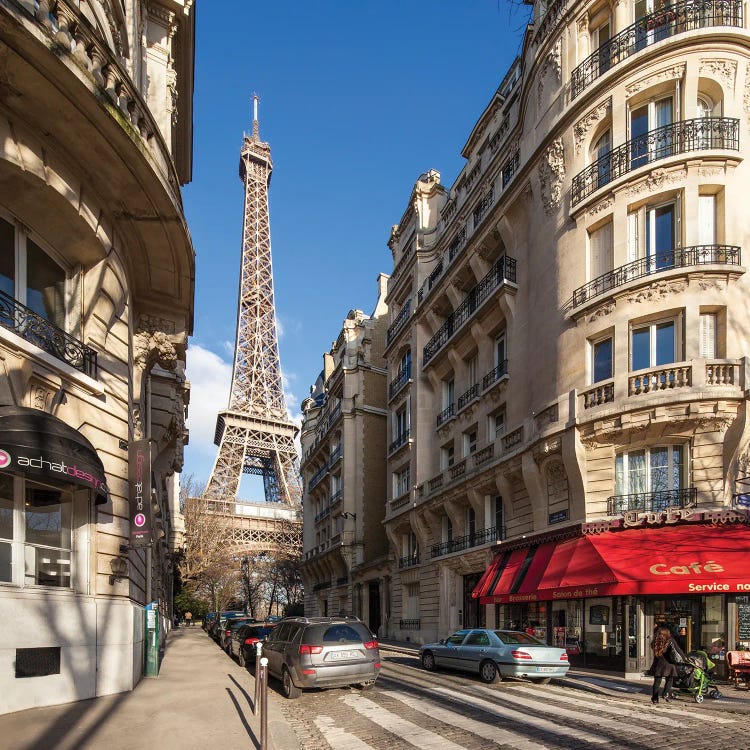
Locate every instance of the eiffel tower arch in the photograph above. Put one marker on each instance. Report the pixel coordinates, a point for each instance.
(254, 434)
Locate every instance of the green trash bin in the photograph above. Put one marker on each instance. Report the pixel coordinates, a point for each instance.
(151, 630)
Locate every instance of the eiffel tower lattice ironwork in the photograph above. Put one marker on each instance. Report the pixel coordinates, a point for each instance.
(255, 434)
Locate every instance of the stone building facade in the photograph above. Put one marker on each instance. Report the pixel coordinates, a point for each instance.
(97, 278)
(567, 341)
(343, 440)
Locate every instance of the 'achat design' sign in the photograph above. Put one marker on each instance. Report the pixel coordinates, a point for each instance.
(139, 478)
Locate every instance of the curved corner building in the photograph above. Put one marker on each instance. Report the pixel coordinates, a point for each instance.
(96, 303)
(568, 344)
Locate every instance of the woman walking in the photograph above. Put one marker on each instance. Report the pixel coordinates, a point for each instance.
(662, 668)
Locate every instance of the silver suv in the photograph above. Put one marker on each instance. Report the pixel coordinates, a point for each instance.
(322, 652)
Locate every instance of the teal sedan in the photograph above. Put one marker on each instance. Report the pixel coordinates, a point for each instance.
(493, 654)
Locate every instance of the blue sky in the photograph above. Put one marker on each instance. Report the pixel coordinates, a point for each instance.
(357, 100)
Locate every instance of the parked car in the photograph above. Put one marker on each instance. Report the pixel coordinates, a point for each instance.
(496, 653)
(208, 618)
(231, 624)
(243, 640)
(322, 652)
(214, 629)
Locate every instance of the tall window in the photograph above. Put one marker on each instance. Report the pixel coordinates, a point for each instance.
(647, 117)
(600, 35)
(446, 529)
(38, 532)
(655, 344)
(654, 233)
(401, 482)
(600, 153)
(501, 349)
(601, 244)
(401, 423)
(471, 371)
(706, 219)
(471, 522)
(602, 359)
(404, 365)
(449, 393)
(652, 470)
(498, 516)
(447, 456)
(30, 275)
(470, 442)
(496, 424)
(707, 323)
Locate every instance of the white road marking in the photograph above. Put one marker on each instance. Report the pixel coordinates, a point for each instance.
(457, 719)
(406, 730)
(544, 725)
(533, 703)
(337, 738)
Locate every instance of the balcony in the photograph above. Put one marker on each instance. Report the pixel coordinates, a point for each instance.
(680, 257)
(446, 415)
(661, 379)
(335, 498)
(493, 376)
(400, 501)
(512, 439)
(601, 393)
(483, 536)
(666, 22)
(654, 502)
(504, 270)
(483, 206)
(399, 322)
(39, 331)
(399, 442)
(335, 456)
(699, 134)
(316, 478)
(510, 168)
(466, 398)
(402, 378)
(409, 561)
(323, 514)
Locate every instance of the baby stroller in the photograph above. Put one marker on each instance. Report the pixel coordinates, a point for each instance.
(692, 674)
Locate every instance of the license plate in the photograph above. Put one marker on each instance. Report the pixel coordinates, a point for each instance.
(342, 655)
(545, 669)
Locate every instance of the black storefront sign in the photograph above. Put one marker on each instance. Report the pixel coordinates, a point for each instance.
(743, 618)
(139, 479)
(38, 444)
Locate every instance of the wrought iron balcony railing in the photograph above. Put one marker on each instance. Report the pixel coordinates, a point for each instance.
(502, 271)
(483, 536)
(652, 501)
(323, 513)
(398, 323)
(402, 378)
(494, 375)
(679, 257)
(466, 398)
(699, 134)
(448, 413)
(35, 329)
(400, 441)
(413, 624)
(671, 19)
(510, 168)
(409, 560)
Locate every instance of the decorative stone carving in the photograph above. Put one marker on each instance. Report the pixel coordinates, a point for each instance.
(551, 174)
(552, 63)
(582, 127)
(666, 74)
(600, 207)
(724, 70)
(709, 171)
(717, 285)
(746, 93)
(658, 291)
(601, 311)
(40, 397)
(655, 180)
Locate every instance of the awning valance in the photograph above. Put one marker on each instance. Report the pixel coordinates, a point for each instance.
(689, 559)
(40, 444)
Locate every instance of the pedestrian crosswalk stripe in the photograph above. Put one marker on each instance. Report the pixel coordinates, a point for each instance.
(406, 730)
(533, 703)
(544, 725)
(455, 718)
(337, 738)
(671, 709)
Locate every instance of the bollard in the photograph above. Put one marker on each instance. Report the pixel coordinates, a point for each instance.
(258, 651)
(263, 703)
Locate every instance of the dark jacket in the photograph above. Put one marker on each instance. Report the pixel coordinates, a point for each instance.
(664, 665)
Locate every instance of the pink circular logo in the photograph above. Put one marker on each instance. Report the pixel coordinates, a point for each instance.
(140, 520)
(4, 459)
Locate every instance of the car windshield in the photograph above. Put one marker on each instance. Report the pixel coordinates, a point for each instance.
(517, 637)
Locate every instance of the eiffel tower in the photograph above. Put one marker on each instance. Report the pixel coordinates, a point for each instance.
(255, 434)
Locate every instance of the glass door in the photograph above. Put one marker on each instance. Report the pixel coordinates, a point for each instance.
(660, 237)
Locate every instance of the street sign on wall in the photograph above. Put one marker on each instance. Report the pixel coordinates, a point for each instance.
(139, 480)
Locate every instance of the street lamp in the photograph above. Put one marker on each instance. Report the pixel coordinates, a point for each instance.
(119, 566)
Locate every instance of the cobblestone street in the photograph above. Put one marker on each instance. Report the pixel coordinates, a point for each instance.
(442, 711)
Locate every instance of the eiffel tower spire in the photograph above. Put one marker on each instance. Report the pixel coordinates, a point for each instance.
(255, 434)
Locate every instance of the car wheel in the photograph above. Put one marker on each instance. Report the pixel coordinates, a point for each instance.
(488, 671)
(428, 661)
(541, 680)
(290, 689)
(241, 657)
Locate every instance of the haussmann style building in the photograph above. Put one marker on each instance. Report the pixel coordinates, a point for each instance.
(343, 440)
(567, 346)
(96, 303)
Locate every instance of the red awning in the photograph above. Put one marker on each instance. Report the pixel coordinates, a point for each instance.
(689, 559)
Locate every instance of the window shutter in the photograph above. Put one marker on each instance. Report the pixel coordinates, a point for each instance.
(708, 335)
(601, 251)
(632, 236)
(706, 220)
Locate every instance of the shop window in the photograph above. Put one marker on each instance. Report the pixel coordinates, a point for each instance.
(656, 343)
(654, 473)
(30, 275)
(602, 362)
(41, 526)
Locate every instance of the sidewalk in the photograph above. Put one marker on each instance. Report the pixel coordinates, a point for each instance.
(614, 685)
(201, 699)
